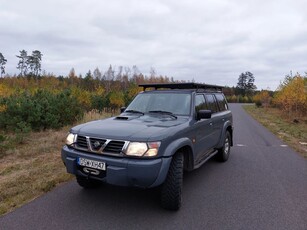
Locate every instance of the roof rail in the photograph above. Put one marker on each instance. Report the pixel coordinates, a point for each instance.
(181, 86)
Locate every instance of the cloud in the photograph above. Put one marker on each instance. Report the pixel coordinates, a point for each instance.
(208, 41)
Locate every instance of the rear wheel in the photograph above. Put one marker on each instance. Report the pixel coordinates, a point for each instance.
(87, 182)
(223, 153)
(171, 190)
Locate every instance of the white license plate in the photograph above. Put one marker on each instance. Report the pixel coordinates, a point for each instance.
(92, 164)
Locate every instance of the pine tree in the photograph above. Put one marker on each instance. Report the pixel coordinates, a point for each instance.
(246, 83)
(34, 62)
(2, 64)
(23, 62)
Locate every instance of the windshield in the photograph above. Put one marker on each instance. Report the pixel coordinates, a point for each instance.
(175, 103)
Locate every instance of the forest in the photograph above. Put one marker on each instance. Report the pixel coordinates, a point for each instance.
(37, 101)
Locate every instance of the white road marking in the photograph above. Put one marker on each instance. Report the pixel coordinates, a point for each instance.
(283, 146)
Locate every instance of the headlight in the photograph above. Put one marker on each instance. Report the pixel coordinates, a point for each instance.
(70, 139)
(139, 149)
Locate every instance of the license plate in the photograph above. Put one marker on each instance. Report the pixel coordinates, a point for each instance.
(92, 164)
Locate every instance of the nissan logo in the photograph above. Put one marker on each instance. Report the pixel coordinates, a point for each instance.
(97, 144)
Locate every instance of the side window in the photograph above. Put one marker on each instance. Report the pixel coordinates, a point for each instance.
(200, 102)
(221, 102)
(211, 103)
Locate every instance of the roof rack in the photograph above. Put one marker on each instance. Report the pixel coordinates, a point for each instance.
(181, 86)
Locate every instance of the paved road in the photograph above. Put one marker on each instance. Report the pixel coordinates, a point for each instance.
(262, 186)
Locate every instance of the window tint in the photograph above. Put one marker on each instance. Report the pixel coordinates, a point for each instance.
(221, 102)
(200, 102)
(211, 103)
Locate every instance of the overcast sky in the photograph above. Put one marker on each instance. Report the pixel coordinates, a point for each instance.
(210, 41)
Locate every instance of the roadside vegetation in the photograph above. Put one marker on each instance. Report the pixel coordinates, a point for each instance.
(284, 112)
(32, 164)
(292, 133)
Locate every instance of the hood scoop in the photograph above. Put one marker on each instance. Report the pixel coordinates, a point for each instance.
(121, 118)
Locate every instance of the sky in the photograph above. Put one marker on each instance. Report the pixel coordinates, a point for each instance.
(208, 41)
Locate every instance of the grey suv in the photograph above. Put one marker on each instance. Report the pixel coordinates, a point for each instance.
(164, 131)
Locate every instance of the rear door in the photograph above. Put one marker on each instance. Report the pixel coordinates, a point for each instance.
(224, 113)
(216, 119)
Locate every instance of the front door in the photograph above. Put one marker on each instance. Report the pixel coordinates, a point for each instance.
(203, 141)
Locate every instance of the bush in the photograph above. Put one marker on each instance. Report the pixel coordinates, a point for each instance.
(99, 102)
(292, 97)
(258, 103)
(42, 110)
(262, 98)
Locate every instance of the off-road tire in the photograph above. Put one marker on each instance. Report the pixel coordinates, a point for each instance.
(87, 183)
(171, 190)
(223, 153)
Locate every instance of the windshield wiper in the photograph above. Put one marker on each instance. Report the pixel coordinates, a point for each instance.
(163, 112)
(133, 111)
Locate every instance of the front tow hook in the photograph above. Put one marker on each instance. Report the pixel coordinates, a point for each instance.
(91, 171)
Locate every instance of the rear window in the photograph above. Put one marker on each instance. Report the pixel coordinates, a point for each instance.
(211, 103)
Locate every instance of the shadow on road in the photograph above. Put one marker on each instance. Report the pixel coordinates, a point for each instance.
(115, 198)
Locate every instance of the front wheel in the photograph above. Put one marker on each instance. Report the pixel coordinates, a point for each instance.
(223, 153)
(171, 190)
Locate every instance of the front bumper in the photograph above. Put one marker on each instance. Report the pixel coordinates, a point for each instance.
(145, 173)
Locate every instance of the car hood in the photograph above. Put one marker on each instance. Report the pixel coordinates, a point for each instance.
(132, 128)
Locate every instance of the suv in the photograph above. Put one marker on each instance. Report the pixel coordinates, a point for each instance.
(164, 131)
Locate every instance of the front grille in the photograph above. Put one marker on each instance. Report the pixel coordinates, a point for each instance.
(114, 147)
(96, 143)
(100, 146)
(81, 142)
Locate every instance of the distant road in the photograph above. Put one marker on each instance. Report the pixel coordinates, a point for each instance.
(262, 186)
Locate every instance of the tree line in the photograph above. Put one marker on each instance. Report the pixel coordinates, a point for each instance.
(27, 64)
(47, 101)
(290, 97)
(116, 86)
(36, 102)
(244, 91)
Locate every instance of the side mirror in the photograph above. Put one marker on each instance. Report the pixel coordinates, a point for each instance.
(204, 114)
(122, 109)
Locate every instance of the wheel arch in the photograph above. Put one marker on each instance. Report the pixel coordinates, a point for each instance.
(188, 159)
(227, 127)
(183, 145)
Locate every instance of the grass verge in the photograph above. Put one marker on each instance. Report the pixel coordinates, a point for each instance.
(33, 166)
(294, 134)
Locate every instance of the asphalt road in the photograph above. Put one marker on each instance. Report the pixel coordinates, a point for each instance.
(262, 186)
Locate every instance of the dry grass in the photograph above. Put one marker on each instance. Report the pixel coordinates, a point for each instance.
(294, 134)
(34, 167)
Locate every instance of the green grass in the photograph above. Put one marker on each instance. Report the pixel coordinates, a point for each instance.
(294, 134)
(33, 166)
